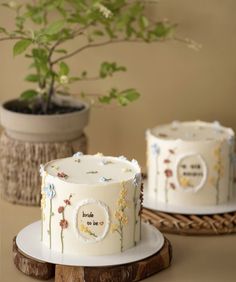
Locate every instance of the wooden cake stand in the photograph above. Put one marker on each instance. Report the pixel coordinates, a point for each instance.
(135, 271)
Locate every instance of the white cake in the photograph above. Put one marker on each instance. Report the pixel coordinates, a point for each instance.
(190, 163)
(91, 204)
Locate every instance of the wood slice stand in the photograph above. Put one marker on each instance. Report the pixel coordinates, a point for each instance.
(216, 224)
(135, 271)
(19, 166)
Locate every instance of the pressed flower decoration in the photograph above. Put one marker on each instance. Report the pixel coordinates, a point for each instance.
(85, 229)
(78, 155)
(63, 222)
(104, 179)
(168, 172)
(62, 175)
(155, 149)
(50, 192)
(43, 201)
(120, 215)
(219, 170)
(137, 180)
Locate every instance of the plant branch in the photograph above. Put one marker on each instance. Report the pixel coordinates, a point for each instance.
(12, 38)
(87, 46)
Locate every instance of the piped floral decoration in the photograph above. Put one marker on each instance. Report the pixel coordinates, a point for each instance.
(155, 149)
(104, 179)
(137, 180)
(78, 155)
(49, 190)
(63, 222)
(62, 175)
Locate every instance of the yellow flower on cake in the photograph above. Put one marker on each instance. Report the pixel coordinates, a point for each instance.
(124, 219)
(119, 214)
(114, 228)
(217, 152)
(185, 182)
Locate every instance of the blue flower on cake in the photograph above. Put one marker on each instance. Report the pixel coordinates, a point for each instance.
(49, 190)
(78, 154)
(104, 179)
(137, 180)
(155, 149)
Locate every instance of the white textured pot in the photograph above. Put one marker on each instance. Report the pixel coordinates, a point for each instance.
(45, 128)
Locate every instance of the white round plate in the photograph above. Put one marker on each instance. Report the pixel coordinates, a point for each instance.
(152, 203)
(28, 241)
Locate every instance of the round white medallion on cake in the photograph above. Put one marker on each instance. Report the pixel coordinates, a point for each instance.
(190, 164)
(91, 204)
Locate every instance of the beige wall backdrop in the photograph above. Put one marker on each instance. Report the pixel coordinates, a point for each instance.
(176, 82)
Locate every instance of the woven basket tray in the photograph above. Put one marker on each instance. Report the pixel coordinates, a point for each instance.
(20, 181)
(217, 224)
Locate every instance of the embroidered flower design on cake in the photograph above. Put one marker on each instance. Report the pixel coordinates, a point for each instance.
(219, 170)
(106, 162)
(62, 175)
(185, 182)
(49, 190)
(137, 180)
(78, 155)
(85, 229)
(155, 149)
(43, 203)
(63, 222)
(163, 135)
(120, 215)
(168, 172)
(104, 179)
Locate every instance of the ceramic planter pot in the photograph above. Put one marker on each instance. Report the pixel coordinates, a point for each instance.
(30, 140)
(44, 128)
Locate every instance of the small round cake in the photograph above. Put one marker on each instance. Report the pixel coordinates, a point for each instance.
(190, 163)
(91, 204)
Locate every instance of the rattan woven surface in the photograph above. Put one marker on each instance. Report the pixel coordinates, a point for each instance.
(217, 224)
(20, 181)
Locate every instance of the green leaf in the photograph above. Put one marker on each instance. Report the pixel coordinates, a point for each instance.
(29, 94)
(105, 99)
(32, 78)
(54, 27)
(64, 69)
(161, 30)
(21, 46)
(144, 22)
(127, 96)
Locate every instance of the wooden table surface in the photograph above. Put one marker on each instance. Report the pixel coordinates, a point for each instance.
(196, 259)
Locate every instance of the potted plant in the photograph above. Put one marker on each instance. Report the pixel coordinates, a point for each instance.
(45, 112)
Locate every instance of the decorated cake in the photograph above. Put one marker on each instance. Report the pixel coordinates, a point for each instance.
(191, 163)
(91, 204)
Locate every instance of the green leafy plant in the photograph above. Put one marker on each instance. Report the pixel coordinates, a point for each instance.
(42, 27)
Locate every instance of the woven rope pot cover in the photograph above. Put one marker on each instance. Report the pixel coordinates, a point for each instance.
(30, 140)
